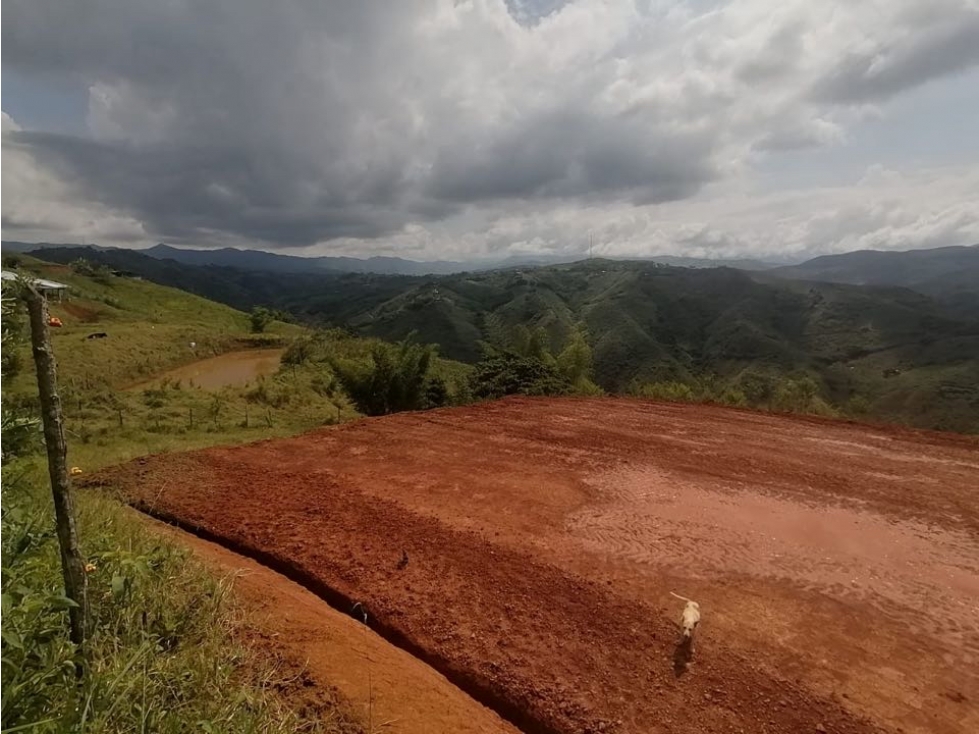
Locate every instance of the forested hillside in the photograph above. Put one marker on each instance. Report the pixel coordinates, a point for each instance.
(888, 352)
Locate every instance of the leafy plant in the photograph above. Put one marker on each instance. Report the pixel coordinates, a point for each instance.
(393, 379)
(507, 373)
(260, 317)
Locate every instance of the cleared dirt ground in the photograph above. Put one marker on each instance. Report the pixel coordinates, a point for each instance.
(837, 565)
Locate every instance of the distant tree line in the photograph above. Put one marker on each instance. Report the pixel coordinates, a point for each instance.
(751, 388)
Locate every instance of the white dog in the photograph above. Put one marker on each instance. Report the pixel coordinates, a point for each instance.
(690, 618)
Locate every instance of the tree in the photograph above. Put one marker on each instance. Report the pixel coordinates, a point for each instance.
(99, 272)
(436, 393)
(394, 379)
(574, 363)
(507, 373)
(260, 318)
(531, 343)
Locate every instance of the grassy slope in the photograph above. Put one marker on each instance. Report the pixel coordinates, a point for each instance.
(150, 328)
(163, 653)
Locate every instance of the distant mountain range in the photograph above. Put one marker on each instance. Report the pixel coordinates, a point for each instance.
(918, 269)
(914, 357)
(948, 274)
(276, 263)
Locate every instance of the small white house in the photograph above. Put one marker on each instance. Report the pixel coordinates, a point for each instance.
(48, 288)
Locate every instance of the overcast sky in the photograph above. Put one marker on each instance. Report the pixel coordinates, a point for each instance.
(449, 129)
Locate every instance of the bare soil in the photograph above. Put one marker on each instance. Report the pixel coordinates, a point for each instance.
(77, 311)
(837, 565)
(328, 664)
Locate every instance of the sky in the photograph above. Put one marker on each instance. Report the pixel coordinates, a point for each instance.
(459, 129)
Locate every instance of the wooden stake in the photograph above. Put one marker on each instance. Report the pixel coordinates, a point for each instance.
(72, 563)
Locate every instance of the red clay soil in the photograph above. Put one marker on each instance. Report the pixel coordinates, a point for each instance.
(837, 565)
(331, 664)
(78, 312)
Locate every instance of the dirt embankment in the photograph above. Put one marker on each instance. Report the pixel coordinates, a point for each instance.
(328, 663)
(543, 537)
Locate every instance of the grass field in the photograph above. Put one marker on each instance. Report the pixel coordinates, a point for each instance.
(163, 654)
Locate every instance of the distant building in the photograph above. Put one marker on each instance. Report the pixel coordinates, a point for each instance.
(49, 288)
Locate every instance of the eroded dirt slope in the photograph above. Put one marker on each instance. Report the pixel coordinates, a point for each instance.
(837, 565)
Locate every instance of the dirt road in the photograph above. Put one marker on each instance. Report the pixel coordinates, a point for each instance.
(837, 565)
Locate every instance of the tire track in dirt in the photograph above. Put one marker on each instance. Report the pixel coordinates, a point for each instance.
(649, 517)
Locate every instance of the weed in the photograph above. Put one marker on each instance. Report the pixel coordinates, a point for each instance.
(161, 655)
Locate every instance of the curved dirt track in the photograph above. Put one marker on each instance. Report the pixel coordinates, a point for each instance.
(837, 565)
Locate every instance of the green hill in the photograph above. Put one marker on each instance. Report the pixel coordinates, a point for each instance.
(905, 355)
(948, 274)
(881, 351)
(112, 409)
(150, 327)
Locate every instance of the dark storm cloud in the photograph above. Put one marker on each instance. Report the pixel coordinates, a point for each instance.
(486, 122)
(185, 190)
(297, 122)
(240, 118)
(573, 153)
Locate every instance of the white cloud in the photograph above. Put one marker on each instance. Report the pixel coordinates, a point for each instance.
(46, 209)
(449, 126)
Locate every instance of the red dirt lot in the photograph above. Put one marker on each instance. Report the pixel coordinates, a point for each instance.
(837, 565)
(327, 663)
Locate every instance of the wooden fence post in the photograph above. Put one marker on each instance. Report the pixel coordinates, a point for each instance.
(72, 563)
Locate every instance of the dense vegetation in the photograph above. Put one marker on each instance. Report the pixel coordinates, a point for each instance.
(888, 353)
(878, 352)
(379, 377)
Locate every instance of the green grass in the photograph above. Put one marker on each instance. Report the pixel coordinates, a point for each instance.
(150, 329)
(163, 655)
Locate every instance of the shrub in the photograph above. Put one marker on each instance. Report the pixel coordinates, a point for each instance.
(260, 318)
(395, 378)
(574, 364)
(507, 373)
(672, 391)
(436, 393)
(300, 351)
(858, 405)
(757, 388)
